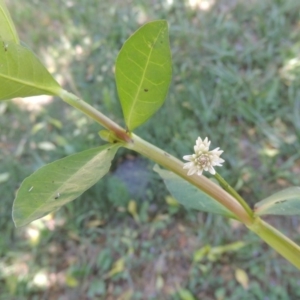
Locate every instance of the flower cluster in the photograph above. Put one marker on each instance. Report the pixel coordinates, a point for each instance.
(203, 159)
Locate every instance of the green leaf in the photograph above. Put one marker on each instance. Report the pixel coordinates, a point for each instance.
(190, 196)
(7, 28)
(185, 294)
(143, 72)
(60, 182)
(285, 202)
(22, 74)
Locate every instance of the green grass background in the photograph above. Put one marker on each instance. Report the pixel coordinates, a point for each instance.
(236, 79)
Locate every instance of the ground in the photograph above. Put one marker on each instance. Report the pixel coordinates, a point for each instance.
(235, 79)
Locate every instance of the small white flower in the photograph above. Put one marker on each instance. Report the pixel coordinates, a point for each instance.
(203, 159)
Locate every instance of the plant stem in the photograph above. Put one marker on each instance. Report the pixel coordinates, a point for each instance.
(282, 244)
(175, 165)
(166, 160)
(225, 185)
(278, 241)
(94, 114)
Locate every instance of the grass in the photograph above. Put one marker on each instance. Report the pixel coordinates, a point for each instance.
(235, 79)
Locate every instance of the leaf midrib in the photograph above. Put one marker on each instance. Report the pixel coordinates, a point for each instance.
(272, 203)
(51, 90)
(142, 80)
(16, 40)
(59, 188)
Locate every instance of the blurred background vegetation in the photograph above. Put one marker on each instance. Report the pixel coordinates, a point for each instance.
(236, 79)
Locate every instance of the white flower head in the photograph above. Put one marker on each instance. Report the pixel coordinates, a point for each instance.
(203, 159)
